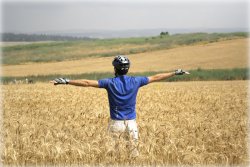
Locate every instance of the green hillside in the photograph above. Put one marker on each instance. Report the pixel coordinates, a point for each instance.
(75, 50)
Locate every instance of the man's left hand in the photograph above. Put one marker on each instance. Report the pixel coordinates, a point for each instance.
(181, 72)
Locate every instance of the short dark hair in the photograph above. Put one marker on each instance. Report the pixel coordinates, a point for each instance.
(120, 72)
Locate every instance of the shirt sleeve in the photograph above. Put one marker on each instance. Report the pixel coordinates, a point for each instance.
(142, 81)
(103, 83)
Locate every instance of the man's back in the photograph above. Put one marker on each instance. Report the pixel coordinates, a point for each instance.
(122, 91)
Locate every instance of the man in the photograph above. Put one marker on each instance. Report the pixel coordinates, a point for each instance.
(122, 91)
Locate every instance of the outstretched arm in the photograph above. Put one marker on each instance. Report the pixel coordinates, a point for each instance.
(162, 76)
(159, 77)
(83, 82)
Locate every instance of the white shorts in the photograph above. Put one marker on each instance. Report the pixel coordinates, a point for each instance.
(121, 126)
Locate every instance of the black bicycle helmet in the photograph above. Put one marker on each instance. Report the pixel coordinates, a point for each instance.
(121, 62)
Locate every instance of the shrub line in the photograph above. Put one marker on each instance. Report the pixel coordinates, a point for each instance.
(196, 75)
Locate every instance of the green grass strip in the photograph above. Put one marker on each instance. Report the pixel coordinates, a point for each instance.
(196, 75)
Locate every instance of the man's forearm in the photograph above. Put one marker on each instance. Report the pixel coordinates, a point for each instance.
(161, 76)
(84, 83)
(164, 76)
(78, 82)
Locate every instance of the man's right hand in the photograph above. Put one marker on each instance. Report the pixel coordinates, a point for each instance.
(58, 81)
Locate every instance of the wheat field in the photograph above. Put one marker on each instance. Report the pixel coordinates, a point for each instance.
(180, 123)
(219, 55)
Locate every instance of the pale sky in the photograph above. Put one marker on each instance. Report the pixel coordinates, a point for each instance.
(35, 16)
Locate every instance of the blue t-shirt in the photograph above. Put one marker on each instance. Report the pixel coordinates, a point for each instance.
(122, 91)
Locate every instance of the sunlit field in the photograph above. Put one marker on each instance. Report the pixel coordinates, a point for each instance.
(218, 55)
(180, 123)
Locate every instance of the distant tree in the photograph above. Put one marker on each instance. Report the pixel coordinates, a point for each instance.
(164, 34)
(8, 37)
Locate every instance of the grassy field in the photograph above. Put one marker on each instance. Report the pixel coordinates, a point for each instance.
(196, 75)
(180, 123)
(76, 50)
(219, 55)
